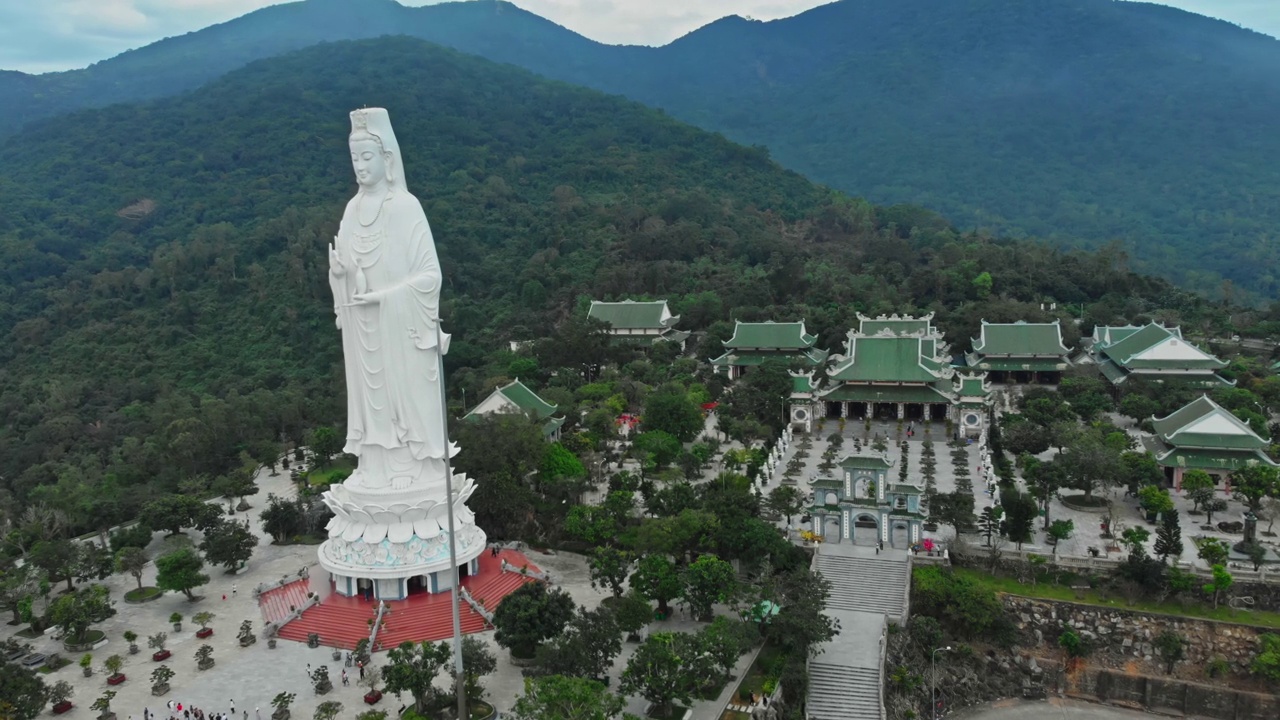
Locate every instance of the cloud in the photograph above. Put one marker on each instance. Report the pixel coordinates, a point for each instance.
(46, 35)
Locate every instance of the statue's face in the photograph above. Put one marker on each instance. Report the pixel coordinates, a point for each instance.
(369, 162)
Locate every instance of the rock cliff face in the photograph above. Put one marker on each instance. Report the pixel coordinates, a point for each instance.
(1126, 639)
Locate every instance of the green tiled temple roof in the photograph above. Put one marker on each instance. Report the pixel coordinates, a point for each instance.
(887, 393)
(802, 384)
(865, 462)
(896, 325)
(811, 356)
(1021, 364)
(778, 336)
(887, 359)
(1157, 347)
(1109, 335)
(972, 386)
(527, 400)
(1203, 424)
(1228, 460)
(632, 314)
(1020, 339)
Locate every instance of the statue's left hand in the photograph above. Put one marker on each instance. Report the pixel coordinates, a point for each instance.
(368, 298)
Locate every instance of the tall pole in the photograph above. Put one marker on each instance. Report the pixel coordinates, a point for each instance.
(933, 691)
(459, 681)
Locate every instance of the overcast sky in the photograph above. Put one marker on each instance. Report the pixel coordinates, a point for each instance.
(46, 35)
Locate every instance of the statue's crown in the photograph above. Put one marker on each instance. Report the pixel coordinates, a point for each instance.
(374, 121)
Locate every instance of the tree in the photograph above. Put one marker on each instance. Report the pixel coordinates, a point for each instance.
(1026, 437)
(413, 668)
(801, 624)
(59, 558)
(954, 509)
(24, 693)
(671, 410)
(1020, 511)
(558, 463)
(1256, 553)
(18, 585)
(1168, 536)
(1135, 538)
(1252, 483)
(1213, 506)
(172, 513)
(1267, 663)
(787, 501)
(1044, 480)
(609, 568)
(557, 697)
(1212, 550)
(1199, 487)
(325, 443)
(531, 615)
(328, 710)
(708, 580)
(179, 571)
(586, 648)
(1154, 500)
(989, 522)
(1140, 469)
(725, 640)
(659, 671)
(657, 579)
(1092, 461)
(133, 561)
(632, 612)
(229, 544)
(477, 662)
(74, 612)
(1221, 582)
(657, 448)
(1060, 530)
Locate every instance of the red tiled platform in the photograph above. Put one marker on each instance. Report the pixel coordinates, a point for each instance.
(342, 621)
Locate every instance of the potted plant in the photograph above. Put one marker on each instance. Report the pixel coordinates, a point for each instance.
(131, 637)
(103, 705)
(156, 642)
(320, 680)
(337, 654)
(160, 678)
(113, 665)
(60, 695)
(202, 619)
(313, 640)
(204, 657)
(176, 619)
(86, 664)
(246, 635)
(272, 630)
(372, 679)
(361, 652)
(281, 703)
(328, 710)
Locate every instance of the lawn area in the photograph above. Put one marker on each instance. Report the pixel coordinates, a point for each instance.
(336, 472)
(1048, 591)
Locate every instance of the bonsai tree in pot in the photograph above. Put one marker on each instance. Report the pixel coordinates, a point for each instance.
(131, 637)
(156, 642)
(60, 696)
(328, 710)
(113, 665)
(246, 635)
(272, 630)
(103, 705)
(320, 680)
(160, 678)
(203, 619)
(372, 679)
(204, 657)
(281, 703)
(86, 664)
(176, 619)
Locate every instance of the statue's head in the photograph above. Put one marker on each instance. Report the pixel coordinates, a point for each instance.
(375, 154)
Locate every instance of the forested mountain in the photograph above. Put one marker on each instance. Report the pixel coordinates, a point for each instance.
(163, 297)
(1070, 120)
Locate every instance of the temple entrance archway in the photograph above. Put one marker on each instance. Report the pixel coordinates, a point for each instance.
(886, 411)
(938, 412)
(833, 410)
(914, 411)
(858, 410)
(899, 535)
(831, 528)
(866, 529)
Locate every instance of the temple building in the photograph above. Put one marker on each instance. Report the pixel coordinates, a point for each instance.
(754, 343)
(893, 368)
(516, 397)
(1203, 435)
(1154, 353)
(648, 322)
(866, 505)
(1020, 352)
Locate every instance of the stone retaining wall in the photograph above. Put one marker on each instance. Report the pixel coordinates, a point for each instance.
(1124, 639)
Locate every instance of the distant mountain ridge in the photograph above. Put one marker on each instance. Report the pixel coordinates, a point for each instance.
(1071, 120)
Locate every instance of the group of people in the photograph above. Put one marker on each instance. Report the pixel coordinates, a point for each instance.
(179, 712)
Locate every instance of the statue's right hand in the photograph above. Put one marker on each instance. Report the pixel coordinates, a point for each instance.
(335, 263)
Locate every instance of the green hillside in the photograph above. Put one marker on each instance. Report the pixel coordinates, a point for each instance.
(163, 294)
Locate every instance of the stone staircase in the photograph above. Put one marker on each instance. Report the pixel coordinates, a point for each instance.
(866, 590)
(860, 584)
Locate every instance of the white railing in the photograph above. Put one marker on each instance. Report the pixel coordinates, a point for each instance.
(377, 623)
(481, 610)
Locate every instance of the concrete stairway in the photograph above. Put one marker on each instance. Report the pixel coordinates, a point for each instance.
(861, 584)
(843, 692)
(867, 590)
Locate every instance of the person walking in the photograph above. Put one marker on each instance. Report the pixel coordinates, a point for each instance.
(233, 706)
(233, 594)
(257, 713)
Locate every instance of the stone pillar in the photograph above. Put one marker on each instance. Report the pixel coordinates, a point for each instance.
(902, 410)
(1177, 479)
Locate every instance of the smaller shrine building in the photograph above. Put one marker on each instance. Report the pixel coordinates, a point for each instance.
(1020, 352)
(645, 321)
(516, 397)
(1203, 435)
(1155, 353)
(754, 343)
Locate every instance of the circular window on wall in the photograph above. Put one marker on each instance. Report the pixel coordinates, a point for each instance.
(800, 414)
(971, 419)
